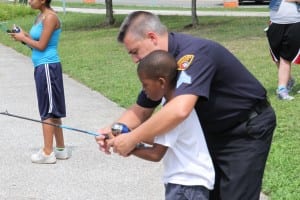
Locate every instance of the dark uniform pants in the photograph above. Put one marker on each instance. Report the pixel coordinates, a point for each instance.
(240, 156)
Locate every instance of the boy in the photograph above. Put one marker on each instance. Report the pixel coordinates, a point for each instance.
(188, 168)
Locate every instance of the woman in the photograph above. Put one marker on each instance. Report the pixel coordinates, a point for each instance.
(43, 39)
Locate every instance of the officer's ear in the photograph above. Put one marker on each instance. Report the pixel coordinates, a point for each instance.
(153, 37)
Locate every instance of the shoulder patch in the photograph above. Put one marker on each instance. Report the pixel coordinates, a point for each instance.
(184, 62)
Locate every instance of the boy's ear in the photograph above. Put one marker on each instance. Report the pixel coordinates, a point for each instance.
(162, 81)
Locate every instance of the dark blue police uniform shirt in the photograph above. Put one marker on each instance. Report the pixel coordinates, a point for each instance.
(226, 89)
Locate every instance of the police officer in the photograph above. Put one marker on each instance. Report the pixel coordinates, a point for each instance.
(231, 104)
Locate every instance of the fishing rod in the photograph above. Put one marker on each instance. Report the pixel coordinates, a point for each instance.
(52, 124)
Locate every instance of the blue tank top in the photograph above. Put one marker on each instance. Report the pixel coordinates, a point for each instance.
(49, 54)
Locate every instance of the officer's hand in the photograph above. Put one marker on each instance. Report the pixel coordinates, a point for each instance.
(123, 144)
(101, 140)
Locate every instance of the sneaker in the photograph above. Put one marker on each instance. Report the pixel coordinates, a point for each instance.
(63, 154)
(284, 95)
(290, 84)
(41, 158)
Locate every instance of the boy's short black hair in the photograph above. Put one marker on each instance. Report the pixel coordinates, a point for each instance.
(158, 64)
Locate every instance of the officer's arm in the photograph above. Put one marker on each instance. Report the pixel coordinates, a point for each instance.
(167, 118)
(135, 115)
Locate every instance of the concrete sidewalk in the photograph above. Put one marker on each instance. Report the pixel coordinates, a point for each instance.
(88, 174)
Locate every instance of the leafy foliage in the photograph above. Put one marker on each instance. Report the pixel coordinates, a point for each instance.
(10, 11)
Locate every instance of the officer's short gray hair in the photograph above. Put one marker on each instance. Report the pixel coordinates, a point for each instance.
(139, 23)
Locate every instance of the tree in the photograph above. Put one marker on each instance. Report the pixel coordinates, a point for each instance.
(110, 20)
(195, 21)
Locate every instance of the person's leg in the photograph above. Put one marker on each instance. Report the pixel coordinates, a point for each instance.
(58, 133)
(284, 72)
(240, 156)
(48, 132)
(61, 152)
(284, 75)
(46, 154)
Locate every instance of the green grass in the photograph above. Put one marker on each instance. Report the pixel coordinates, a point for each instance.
(91, 55)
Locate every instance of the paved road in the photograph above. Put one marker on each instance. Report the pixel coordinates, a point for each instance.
(160, 3)
(175, 3)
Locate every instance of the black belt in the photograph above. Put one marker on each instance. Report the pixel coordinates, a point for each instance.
(257, 109)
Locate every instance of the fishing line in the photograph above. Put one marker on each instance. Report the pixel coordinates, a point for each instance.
(52, 124)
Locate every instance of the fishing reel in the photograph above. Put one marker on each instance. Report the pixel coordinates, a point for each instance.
(119, 128)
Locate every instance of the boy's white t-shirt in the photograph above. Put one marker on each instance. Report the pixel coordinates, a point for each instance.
(187, 160)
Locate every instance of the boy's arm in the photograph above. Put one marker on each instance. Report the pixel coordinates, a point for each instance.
(153, 153)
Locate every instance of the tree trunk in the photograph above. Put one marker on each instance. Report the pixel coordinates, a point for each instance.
(110, 20)
(195, 21)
